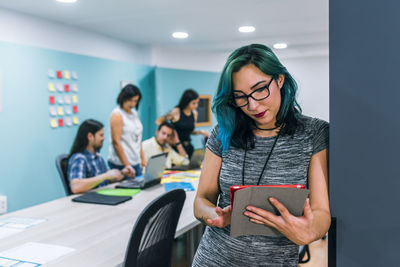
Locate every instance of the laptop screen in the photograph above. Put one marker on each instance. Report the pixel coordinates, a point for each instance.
(155, 167)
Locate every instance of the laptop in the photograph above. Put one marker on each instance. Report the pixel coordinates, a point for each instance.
(195, 162)
(154, 171)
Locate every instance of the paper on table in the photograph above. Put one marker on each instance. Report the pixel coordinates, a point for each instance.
(5, 231)
(292, 198)
(36, 252)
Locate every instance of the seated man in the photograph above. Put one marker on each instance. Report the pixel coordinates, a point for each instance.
(86, 168)
(159, 144)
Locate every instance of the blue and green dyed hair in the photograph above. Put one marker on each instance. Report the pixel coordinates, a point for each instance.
(235, 127)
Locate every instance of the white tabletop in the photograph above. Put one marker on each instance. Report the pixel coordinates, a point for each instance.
(98, 233)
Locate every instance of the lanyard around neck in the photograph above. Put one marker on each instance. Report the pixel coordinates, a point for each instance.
(266, 161)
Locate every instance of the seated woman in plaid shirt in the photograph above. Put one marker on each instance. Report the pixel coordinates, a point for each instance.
(86, 168)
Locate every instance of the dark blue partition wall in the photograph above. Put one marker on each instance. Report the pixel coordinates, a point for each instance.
(365, 130)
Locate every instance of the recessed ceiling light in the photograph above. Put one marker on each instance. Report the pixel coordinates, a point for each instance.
(180, 35)
(280, 45)
(247, 29)
(66, 1)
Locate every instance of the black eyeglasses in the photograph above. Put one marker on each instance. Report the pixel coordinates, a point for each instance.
(241, 99)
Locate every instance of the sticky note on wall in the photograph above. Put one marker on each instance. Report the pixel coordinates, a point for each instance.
(53, 111)
(68, 121)
(74, 75)
(52, 99)
(67, 99)
(51, 73)
(74, 99)
(51, 87)
(68, 110)
(74, 87)
(75, 120)
(53, 123)
(60, 99)
(59, 87)
(60, 111)
(67, 75)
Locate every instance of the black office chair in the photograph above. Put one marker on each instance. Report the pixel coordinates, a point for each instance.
(62, 168)
(153, 234)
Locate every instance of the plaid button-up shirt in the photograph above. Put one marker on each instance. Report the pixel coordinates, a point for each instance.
(86, 165)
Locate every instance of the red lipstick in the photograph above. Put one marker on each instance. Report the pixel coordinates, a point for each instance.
(259, 115)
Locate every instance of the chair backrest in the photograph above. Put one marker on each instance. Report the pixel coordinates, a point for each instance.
(153, 234)
(62, 168)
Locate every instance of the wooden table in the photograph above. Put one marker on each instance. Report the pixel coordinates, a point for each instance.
(98, 233)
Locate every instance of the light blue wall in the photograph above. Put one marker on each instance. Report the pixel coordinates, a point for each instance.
(171, 83)
(28, 146)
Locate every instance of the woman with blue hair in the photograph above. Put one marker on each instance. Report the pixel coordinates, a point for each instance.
(261, 139)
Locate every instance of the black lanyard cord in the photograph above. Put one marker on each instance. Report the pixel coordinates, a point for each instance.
(266, 161)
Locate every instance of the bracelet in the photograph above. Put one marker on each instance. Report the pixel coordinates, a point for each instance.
(177, 144)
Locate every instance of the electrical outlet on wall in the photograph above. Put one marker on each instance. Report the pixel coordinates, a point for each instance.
(3, 204)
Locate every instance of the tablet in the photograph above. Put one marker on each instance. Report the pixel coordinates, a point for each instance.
(234, 188)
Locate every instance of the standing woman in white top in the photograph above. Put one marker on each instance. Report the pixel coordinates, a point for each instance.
(126, 133)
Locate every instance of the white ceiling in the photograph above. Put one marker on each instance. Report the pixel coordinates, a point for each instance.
(211, 24)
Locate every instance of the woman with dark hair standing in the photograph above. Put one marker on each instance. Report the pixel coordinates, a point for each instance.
(86, 168)
(184, 117)
(126, 133)
(261, 139)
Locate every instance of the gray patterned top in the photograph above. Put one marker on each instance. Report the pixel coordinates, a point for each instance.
(288, 164)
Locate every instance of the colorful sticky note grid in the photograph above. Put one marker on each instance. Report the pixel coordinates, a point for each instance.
(51, 87)
(60, 122)
(67, 75)
(53, 123)
(74, 75)
(67, 99)
(59, 87)
(53, 111)
(74, 99)
(51, 73)
(75, 109)
(52, 99)
(68, 121)
(66, 87)
(75, 120)
(59, 74)
(74, 87)
(60, 111)
(68, 110)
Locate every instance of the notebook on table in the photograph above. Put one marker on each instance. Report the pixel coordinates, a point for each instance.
(154, 171)
(95, 198)
(195, 162)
